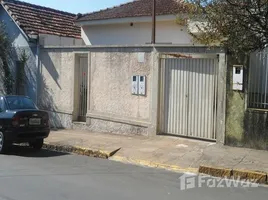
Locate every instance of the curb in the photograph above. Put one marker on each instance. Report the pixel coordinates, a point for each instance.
(110, 156)
(241, 174)
(78, 150)
(146, 163)
(215, 171)
(259, 177)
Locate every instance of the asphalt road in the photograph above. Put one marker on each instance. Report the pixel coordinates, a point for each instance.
(28, 175)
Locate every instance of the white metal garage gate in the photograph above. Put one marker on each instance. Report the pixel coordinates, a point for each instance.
(189, 96)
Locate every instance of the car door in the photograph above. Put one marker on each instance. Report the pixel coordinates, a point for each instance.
(2, 110)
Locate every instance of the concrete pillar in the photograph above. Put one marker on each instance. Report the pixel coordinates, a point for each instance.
(221, 104)
(154, 102)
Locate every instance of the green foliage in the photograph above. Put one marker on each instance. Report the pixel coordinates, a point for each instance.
(5, 54)
(23, 58)
(241, 26)
(5, 57)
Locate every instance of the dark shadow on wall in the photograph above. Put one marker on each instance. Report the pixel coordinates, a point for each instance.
(30, 71)
(244, 127)
(35, 85)
(50, 67)
(34, 82)
(2, 78)
(256, 129)
(46, 102)
(12, 69)
(46, 96)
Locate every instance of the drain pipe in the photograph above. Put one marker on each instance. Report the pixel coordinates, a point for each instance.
(153, 20)
(38, 74)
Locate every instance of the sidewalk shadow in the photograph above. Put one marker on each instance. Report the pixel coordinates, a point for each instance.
(25, 151)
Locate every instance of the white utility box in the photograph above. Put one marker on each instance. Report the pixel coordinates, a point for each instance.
(142, 85)
(135, 85)
(238, 77)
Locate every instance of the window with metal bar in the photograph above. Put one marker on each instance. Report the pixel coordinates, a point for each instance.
(258, 80)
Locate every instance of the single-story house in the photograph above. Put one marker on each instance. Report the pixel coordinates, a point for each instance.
(118, 83)
(131, 24)
(121, 84)
(180, 89)
(30, 26)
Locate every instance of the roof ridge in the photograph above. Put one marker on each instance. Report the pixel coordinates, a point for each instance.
(101, 10)
(135, 8)
(36, 6)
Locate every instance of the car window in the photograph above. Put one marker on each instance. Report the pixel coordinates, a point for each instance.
(19, 103)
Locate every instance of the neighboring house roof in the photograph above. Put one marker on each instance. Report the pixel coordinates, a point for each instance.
(137, 8)
(34, 19)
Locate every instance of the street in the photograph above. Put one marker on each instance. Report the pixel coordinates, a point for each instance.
(29, 175)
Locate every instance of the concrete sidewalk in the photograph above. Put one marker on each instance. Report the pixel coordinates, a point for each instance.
(163, 151)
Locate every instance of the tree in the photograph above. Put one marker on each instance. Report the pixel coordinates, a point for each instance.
(5, 55)
(241, 26)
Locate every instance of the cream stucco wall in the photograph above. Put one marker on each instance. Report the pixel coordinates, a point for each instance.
(54, 40)
(111, 106)
(111, 74)
(57, 71)
(140, 33)
(56, 84)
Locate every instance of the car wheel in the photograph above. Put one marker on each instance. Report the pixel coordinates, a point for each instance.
(37, 144)
(3, 143)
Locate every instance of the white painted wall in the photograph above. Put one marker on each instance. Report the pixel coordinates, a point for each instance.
(14, 33)
(54, 40)
(139, 33)
(20, 43)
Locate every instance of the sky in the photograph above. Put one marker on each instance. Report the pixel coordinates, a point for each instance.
(78, 6)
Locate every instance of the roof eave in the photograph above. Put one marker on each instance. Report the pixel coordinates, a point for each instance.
(136, 19)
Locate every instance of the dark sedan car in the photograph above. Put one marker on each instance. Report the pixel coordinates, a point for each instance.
(21, 121)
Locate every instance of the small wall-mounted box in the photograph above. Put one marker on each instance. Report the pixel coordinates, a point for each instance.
(135, 85)
(138, 86)
(142, 85)
(141, 57)
(238, 71)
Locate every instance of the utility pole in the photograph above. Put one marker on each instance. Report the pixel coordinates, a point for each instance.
(153, 20)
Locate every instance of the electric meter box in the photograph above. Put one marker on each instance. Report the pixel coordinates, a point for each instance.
(238, 71)
(142, 85)
(135, 85)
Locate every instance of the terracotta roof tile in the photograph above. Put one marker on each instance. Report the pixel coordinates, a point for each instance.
(34, 19)
(137, 8)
